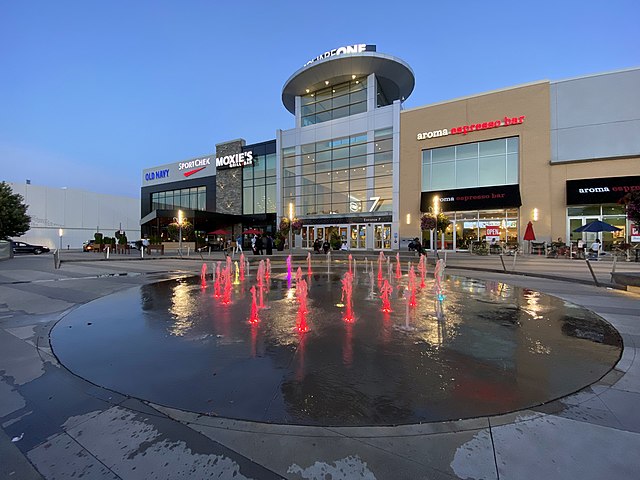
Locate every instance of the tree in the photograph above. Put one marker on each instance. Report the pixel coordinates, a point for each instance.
(14, 221)
(631, 202)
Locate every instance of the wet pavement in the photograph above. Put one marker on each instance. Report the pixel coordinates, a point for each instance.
(65, 426)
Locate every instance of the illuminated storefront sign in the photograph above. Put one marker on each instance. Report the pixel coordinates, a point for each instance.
(477, 198)
(235, 160)
(164, 173)
(347, 50)
(473, 127)
(594, 191)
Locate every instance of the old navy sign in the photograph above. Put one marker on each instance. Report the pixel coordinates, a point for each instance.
(480, 198)
(473, 127)
(595, 191)
(347, 50)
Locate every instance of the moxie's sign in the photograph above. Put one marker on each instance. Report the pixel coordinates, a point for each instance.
(473, 127)
(235, 160)
(595, 191)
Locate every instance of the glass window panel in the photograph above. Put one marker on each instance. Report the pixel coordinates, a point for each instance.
(358, 108)
(271, 165)
(383, 157)
(358, 161)
(613, 209)
(341, 101)
(383, 182)
(467, 173)
(323, 94)
(382, 169)
(467, 151)
(308, 120)
(306, 110)
(512, 145)
(307, 99)
(308, 158)
(247, 200)
(446, 154)
(443, 175)
(341, 153)
(358, 84)
(326, 145)
(385, 145)
(339, 197)
(359, 96)
(259, 166)
(357, 183)
(169, 200)
(308, 189)
(271, 199)
(288, 193)
(341, 112)
(341, 89)
(383, 132)
(308, 148)
(342, 164)
(323, 117)
(308, 169)
(360, 195)
(323, 167)
(340, 207)
(358, 139)
(202, 200)
(359, 172)
(259, 199)
(493, 147)
(323, 156)
(512, 168)
(323, 106)
(492, 171)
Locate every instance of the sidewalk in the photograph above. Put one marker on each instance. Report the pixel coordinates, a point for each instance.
(69, 428)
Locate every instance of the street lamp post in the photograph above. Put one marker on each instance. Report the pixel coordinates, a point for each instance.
(291, 208)
(180, 220)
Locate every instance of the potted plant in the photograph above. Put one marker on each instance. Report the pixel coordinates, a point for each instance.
(335, 240)
(278, 241)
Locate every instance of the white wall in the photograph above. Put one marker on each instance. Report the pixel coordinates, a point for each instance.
(78, 212)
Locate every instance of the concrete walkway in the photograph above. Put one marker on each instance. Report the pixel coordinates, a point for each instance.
(58, 426)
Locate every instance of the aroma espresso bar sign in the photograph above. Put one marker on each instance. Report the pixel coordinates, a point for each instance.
(595, 191)
(473, 127)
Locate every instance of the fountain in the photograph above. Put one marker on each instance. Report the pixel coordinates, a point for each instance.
(242, 266)
(380, 260)
(350, 266)
(329, 262)
(398, 266)
(236, 280)
(347, 297)
(412, 288)
(268, 272)
(301, 319)
(385, 293)
(289, 271)
(493, 354)
(253, 318)
(298, 275)
(309, 263)
(422, 268)
(203, 275)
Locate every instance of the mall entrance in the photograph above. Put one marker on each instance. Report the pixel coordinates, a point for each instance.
(355, 236)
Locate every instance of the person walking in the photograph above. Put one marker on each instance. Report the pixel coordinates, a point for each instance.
(269, 244)
(238, 245)
(259, 245)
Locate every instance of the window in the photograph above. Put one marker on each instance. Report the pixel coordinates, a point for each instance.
(479, 164)
(259, 180)
(194, 198)
(336, 101)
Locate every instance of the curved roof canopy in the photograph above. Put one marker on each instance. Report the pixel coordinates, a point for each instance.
(394, 76)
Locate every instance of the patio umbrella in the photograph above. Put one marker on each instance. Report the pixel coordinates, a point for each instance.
(529, 235)
(597, 226)
(219, 231)
(252, 231)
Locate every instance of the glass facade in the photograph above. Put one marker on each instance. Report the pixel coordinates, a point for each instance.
(339, 176)
(610, 213)
(194, 198)
(259, 180)
(479, 164)
(335, 101)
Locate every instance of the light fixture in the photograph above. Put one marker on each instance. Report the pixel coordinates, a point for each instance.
(308, 90)
(535, 215)
(353, 77)
(408, 219)
(357, 81)
(326, 82)
(436, 204)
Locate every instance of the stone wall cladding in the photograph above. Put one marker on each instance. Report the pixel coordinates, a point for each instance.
(229, 181)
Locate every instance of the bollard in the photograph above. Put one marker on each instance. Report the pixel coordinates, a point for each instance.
(513, 267)
(502, 261)
(595, 280)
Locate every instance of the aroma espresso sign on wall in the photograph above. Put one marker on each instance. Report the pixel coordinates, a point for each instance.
(472, 127)
(595, 191)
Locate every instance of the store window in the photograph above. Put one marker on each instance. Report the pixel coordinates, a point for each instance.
(338, 176)
(610, 213)
(479, 164)
(194, 198)
(259, 180)
(335, 101)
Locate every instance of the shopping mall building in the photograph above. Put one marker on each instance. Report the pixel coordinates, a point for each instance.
(557, 153)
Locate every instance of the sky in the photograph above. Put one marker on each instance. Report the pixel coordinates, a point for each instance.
(92, 93)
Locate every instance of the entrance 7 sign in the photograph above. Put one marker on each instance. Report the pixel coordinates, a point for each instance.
(376, 203)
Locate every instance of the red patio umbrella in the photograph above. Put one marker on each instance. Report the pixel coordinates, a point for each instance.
(219, 231)
(529, 235)
(252, 231)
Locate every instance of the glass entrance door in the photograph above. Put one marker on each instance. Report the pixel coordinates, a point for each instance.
(382, 236)
(357, 237)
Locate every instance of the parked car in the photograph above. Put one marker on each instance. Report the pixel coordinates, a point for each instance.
(89, 246)
(22, 247)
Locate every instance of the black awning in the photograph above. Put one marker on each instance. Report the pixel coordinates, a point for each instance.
(477, 198)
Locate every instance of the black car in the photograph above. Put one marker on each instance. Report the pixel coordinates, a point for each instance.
(21, 247)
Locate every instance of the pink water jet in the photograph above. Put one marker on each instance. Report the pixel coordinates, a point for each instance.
(261, 281)
(289, 270)
(309, 263)
(347, 295)
(226, 274)
(438, 276)
(350, 260)
(422, 268)
(242, 265)
(203, 275)
(254, 307)
(301, 319)
(412, 288)
(298, 275)
(398, 266)
(385, 292)
(380, 260)
(268, 272)
(216, 281)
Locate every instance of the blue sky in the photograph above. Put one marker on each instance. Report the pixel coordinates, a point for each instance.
(91, 93)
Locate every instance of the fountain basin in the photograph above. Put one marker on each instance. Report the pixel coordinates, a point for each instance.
(488, 348)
